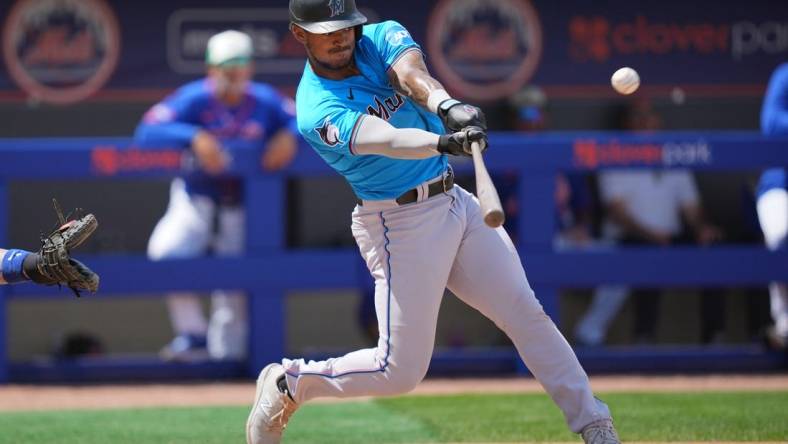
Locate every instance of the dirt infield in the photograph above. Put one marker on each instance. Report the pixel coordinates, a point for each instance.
(30, 397)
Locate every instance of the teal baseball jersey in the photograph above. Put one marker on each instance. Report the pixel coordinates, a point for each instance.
(330, 111)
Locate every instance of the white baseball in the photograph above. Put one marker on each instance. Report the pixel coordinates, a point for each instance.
(626, 80)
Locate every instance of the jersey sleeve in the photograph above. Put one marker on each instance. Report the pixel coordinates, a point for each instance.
(167, 122)
(287, 117)
(392, 41)
(330, 128)
(282, 109)
(774, 114)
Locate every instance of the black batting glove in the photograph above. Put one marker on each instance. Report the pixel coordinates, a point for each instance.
(459, 143)
(457, 115)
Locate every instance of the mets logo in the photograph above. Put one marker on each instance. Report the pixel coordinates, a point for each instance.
(337, 7)
(329, 133)
(488, 49)
(61, 51)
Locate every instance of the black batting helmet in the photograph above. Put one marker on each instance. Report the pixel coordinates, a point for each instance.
(324, 16)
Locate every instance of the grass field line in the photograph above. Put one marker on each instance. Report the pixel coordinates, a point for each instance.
(42, 397)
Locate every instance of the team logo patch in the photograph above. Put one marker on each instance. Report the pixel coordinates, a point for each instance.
(471, 110)
(159, 114)
(337, 7)
(329, 133)
(61, 51)
(488, 49)
(397, 35)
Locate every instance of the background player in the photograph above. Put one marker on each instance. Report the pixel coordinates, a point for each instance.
(367, 104)
(205, 213)
(772, 201)
(644, 208)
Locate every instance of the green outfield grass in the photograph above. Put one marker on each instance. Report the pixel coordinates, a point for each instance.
(421, 419)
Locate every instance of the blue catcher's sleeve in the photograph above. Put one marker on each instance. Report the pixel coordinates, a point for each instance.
(166, 123)
(330, 128)
(774, 114)
(392, 41)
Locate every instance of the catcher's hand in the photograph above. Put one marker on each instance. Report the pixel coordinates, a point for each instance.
(54, 265)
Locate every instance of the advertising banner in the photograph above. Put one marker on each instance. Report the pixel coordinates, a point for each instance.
(66, 51)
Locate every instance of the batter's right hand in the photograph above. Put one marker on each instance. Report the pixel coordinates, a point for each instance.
(459, 143)
(209, 153)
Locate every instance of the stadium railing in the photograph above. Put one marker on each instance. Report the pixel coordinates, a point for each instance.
(269, 270)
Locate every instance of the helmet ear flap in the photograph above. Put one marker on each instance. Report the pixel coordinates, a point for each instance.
(359, 30)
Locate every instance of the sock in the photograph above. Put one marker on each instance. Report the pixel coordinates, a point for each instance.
(13, 264)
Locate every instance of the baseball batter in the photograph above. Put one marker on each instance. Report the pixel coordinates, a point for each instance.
(367, 104)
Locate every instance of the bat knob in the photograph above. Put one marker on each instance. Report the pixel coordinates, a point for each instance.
(494, 219)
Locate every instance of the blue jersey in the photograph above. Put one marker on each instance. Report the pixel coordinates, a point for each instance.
(193, 107)
(774, 121)
(329, 112)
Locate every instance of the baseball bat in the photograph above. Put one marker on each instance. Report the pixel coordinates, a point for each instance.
(485, 190)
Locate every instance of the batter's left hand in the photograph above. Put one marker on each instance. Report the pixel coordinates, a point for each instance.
(457, 115)
(459, 143)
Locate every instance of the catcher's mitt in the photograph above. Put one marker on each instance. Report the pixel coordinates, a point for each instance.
(54, 264)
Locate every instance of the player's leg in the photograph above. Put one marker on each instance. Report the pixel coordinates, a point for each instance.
(228, 325)
(605, 305)
(183, 232)
(487, 275)
(778, 296)
(409, 251)
(773, 215)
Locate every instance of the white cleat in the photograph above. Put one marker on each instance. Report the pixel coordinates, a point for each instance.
(600, 432)
(271, 410)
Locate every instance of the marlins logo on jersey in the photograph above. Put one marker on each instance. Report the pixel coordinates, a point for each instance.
(385, 108)
(329, 133)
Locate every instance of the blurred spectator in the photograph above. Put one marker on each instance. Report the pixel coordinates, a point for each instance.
(522, 111)
(529, 109)
(526, 112)
(574, 208)
(647, 208)
(773, 200)
(205, 213)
